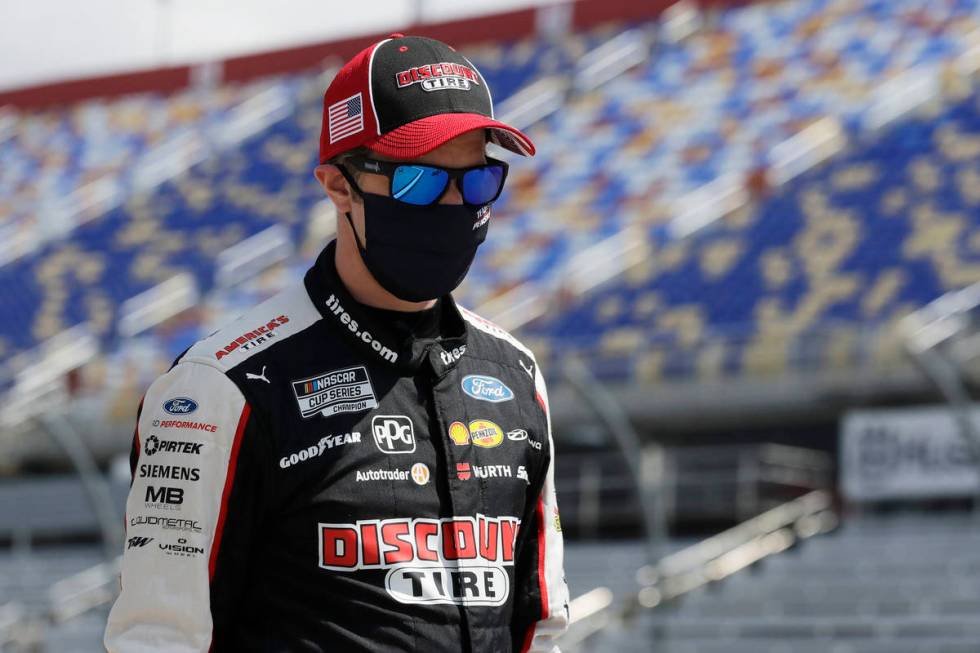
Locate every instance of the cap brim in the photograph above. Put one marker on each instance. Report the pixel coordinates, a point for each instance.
(426, 134)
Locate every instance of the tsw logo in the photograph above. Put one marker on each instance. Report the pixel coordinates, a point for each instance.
(172, 495)
(138, 542)
(393, 433)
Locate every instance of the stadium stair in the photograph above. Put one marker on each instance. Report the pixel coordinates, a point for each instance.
(880, 584)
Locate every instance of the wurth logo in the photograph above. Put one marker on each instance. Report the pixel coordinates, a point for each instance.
(457, 560)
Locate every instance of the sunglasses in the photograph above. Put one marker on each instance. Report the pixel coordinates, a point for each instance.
(423, 185)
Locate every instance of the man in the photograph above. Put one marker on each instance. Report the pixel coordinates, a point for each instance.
(358, 464)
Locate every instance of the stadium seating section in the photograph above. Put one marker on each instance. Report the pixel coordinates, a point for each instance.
(798, 280)
(856, 241)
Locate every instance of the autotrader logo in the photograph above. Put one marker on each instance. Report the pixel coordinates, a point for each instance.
(393, 433)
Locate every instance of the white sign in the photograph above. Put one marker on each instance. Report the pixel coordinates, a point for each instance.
(906, 453)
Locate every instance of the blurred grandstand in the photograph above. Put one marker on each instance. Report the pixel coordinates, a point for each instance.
(746, 222)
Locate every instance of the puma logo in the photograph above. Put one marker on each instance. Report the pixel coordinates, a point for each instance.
(527, 367)
(249, 375)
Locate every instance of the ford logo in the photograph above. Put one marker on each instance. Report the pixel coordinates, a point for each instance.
(180, 406)
(486, 388)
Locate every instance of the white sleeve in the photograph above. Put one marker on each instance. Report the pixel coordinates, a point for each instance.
(549, 569)
(185, 452)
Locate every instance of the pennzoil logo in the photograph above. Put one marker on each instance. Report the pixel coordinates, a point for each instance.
(439, 77)
(454, 560)
(481, 432)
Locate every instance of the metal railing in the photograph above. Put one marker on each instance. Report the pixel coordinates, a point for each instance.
(708, 561)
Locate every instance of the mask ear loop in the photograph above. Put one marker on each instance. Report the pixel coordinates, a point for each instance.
(357, 189)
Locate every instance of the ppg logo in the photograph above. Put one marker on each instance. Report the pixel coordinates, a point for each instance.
(393, 433)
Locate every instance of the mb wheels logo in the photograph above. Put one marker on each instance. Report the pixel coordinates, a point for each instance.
(393, 433)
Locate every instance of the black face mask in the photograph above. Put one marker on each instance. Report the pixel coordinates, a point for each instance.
(419, 253)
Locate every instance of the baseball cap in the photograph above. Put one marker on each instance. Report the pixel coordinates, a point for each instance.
(404, 96)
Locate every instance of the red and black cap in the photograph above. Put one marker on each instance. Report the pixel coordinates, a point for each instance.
(407, 95)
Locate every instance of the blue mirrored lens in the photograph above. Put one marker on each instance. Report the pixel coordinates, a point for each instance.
(482, 185)
(418, 184)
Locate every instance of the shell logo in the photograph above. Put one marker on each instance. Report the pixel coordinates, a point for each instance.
(459, 433)
(420, 473)
(485, 433)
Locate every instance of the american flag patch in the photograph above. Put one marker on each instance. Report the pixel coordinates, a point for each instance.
(345, 118)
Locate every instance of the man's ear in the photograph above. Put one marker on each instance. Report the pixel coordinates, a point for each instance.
(336, 187)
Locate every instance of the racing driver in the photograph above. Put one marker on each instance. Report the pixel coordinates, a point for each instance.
(358, 464)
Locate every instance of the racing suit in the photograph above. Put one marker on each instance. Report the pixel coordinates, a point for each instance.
(307, 479)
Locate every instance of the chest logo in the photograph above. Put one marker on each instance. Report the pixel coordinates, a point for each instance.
(393, 433)
(486, 388)
(481, 432)
(180, 406)
(486, 434)
(347, 390)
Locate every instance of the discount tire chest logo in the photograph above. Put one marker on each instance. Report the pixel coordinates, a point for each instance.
(455, 560)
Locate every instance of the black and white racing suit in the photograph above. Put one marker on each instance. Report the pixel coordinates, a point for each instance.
(307, 480)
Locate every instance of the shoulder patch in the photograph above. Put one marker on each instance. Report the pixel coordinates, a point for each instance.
(494, 330)
(275, 319)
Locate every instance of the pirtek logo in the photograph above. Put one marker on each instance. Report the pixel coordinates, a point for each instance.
(154, 444)
(259, 335)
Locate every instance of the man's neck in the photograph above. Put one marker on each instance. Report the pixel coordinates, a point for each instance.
(362, 285)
